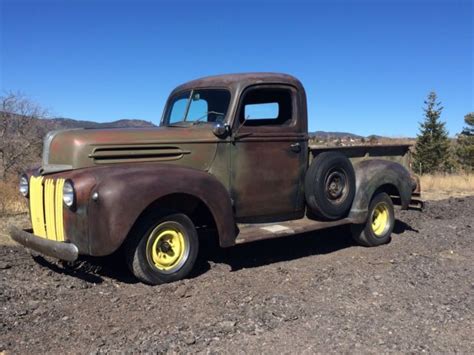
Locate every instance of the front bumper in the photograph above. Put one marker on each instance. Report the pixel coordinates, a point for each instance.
(58, 250)
(416, 201)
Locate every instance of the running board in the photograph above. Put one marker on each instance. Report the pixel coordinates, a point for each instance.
(249, 232)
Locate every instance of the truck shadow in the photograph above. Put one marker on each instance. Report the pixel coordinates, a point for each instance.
(59, 267)
(270, 251)
(255, 254)
(260, 253)
(401, 227)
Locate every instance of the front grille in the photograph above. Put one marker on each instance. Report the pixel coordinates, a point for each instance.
(46, 207)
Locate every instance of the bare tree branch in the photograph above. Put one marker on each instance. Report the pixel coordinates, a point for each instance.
(20, 133)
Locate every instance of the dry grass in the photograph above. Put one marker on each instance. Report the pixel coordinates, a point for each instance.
(439, 186)
(10, 200)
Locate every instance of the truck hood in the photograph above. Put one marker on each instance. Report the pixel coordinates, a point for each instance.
(80, 148)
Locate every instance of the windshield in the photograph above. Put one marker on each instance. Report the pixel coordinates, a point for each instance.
(205, 105)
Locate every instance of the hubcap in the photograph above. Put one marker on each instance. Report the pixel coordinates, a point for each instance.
(380, 219)
(168, 247)
(336, 185)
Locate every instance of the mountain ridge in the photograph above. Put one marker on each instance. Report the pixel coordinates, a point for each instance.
(58, 123)
(65, 123)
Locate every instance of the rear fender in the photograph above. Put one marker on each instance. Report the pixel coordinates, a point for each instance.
(125, 193)
(374, 174)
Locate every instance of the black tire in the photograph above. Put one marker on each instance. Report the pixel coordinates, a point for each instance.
(330, 185)
(373, 234)
(162, 249)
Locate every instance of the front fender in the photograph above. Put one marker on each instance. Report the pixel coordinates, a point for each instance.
(125, 192)
(371, 175)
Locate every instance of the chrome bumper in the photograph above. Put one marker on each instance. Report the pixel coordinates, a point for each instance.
(58, 250)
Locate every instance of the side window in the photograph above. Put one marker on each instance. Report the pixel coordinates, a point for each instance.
(261, 111)
(267, 107)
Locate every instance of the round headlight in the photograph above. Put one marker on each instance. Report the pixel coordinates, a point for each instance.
(68, 194)
(24, 185)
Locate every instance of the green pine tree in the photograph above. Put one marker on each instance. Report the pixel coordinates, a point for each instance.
(432, 144)
(465, 144)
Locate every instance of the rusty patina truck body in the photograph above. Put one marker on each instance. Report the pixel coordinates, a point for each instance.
(231, 155)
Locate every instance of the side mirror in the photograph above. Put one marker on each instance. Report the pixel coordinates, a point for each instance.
(221, 130)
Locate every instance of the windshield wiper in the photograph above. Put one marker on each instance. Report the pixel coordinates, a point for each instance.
(199, 120)
(180, 124)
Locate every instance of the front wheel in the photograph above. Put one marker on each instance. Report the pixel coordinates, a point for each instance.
(162, 250)
(379, 226)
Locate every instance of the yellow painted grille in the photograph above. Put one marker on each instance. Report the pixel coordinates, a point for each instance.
(46, 207)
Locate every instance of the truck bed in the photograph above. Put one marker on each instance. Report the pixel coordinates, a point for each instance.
(399, 153)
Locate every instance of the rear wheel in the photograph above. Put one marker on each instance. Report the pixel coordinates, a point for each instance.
(163, 250)
(379, 226)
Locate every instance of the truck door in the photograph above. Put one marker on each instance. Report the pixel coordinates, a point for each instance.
(268, 155)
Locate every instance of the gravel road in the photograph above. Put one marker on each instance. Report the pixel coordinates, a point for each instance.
(312, 293)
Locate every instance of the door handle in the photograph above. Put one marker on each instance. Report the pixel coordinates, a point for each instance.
(295, 147)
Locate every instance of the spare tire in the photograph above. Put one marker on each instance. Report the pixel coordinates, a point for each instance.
(330, 185)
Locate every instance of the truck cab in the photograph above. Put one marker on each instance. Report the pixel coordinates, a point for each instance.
(231, 155)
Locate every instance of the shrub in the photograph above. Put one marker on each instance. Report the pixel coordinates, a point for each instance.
(11, 201)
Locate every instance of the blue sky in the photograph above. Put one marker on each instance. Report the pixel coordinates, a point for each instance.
(367, 65)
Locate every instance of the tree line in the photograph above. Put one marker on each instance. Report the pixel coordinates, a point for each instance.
(434, 151)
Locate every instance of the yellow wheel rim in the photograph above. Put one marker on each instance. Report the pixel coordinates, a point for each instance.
(167, 247)
(380, 219)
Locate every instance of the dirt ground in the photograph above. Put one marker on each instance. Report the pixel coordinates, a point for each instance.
(312, 293)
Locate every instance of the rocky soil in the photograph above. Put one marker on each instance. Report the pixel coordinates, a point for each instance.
(311, 293)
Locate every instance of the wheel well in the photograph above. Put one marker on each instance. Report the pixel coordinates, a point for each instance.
(390, 190)
(190, 205)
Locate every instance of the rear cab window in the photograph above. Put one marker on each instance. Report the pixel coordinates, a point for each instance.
(267, 107)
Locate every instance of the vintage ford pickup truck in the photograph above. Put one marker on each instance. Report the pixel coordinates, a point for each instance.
(231, 156)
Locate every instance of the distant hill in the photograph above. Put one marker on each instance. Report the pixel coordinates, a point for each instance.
(21, 137)
(67, 123)
(333, 135)
(48, 124)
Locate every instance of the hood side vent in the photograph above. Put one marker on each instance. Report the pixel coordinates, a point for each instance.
(136, 153)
